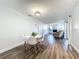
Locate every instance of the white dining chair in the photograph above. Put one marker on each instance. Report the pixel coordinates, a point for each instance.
(30, 40)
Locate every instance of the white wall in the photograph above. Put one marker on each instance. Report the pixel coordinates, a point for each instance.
(12, 26)
(75, 28)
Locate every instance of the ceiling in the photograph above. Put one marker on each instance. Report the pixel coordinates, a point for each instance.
(51, 10)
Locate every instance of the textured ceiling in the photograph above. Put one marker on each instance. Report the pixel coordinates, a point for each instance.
(51, 10)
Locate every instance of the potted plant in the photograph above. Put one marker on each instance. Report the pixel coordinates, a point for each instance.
(34, 34)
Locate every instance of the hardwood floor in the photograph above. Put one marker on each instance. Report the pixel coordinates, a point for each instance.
(50, 49)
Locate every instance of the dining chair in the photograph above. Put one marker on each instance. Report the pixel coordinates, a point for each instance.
(32, 42)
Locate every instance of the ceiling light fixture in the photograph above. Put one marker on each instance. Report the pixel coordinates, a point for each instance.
(37, 13)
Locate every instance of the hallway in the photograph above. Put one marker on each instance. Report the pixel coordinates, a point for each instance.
(54, 50)
(55, 23)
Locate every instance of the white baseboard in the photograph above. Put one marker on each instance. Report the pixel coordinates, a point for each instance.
(6, 49)
(75, 48)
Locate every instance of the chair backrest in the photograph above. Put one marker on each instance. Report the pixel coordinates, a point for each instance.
(26, 38)
(31, 41)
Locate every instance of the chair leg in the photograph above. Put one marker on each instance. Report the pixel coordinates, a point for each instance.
(35, 49)
(25, 44)
(38, 46)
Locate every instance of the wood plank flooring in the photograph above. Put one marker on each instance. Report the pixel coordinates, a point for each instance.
(54, 50)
